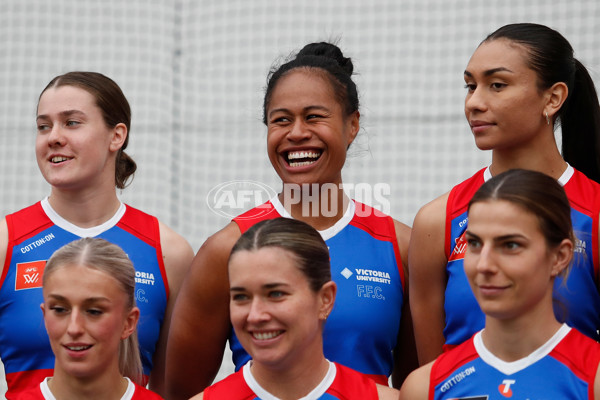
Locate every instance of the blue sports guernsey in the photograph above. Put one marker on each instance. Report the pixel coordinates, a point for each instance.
(563, 368)
(34, 234)
(340, 383)
(362, 330)
(577, 301)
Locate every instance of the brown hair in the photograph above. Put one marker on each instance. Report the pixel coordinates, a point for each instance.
(114, 107)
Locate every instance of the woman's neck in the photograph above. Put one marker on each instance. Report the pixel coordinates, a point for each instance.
(540, 155)
(108, 386)
(291, 383)
(320, 206)
(512, 339)
(88, 209)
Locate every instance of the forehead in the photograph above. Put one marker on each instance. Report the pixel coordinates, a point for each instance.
(66, 98)
(501, 217)
(499, 53)
(77, 282)
(264, 266)
(302, 85)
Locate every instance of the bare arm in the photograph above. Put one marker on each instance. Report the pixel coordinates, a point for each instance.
(3, 244)
(200, 325)
(387, 393)
(416, 385)
(405, 355)
(427, 278)
(177, 256)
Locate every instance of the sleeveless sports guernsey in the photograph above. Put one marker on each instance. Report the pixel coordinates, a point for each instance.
(133, 392)
(578, 302)
(339, 383)
(34, 234)
(563, 368)
(363, 326)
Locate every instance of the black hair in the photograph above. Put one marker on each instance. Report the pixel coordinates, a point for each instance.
(321, 56)
(550, 55)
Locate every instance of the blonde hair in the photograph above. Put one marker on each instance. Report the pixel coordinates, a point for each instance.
(109, 258)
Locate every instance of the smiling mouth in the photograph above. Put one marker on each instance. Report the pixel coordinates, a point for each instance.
(58, 159)
(302, 158)
(78, 348)
(266, 335)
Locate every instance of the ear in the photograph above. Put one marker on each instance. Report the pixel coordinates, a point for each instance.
(327, 299)
(119, 134)
(42, 306)
(556, 96)
(563, 254)
(130, 322)
(354, 125)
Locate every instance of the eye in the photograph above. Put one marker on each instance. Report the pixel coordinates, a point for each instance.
(512, 245)
(279, 120)
(95, 312)
(239, 297)
(277, 294)
(473, 244)
(43, 127)
(313, 116)
(72, 123)
(470, 87)
(498, 85)
(58, 309)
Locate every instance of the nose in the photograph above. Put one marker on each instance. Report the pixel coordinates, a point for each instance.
(75, 327)
(258, 311)
(485, 262)
(299, 131)
(56, 136)
(475, 101)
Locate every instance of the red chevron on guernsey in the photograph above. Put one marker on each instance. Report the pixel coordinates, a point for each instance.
(458, 253)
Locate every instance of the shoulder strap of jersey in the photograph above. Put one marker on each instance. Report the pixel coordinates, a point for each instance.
(255, 215)
(458, 200)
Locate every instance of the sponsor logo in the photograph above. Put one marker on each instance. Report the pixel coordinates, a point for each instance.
(346, 273)
(505, 389)
(144, 278)
(580, 246)
(29, 275)
(37, 243)
(456, 378)
(369, 292)
(232, 198)
(371, 275)
(460, 248)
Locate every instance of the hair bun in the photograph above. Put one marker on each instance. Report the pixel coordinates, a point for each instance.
(328, 50)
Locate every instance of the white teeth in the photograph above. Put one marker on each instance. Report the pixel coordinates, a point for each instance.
(302, 163)
(58, 159)
(303, 154)
(266, 335)
(78, 348)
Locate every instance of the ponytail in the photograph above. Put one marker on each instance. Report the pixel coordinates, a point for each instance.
(580, 124)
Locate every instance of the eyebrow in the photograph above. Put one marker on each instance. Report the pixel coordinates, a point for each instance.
(66, 113)
(499, 238)
(305, 109)
(265, 286)
(87, 300)
(489, 71)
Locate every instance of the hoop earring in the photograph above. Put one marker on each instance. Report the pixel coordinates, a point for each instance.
(547, 118)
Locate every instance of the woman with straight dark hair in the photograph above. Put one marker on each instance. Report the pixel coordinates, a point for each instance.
(281, 295)
(519, 242)
(522, 83)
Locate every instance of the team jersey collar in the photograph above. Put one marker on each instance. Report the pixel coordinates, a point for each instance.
(314, 394)
(564, 178)
(508, 368)
(330, 232)
(76, 230)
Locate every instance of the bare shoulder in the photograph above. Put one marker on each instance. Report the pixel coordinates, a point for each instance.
(387, 393)
(416, 385)
(199, 396)
(175, 248)
(403, 233)
(432, 213)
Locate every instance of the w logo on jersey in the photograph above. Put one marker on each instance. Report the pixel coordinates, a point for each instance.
(29, 275)
(505, 389)
(459, 249)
